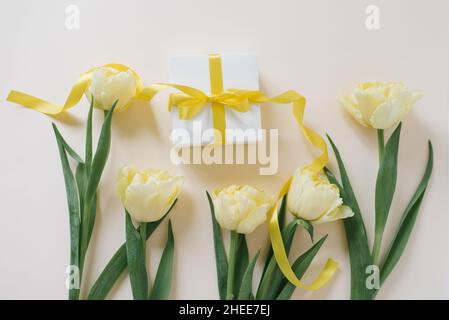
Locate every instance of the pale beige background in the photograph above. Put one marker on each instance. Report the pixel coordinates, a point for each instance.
(320, 48)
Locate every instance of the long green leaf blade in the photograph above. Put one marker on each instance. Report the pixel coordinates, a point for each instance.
(307, 226)
(66, 146)
(87, 219)
(271, 280)
(81, 182)
(73, 206)
(241, 262)
(282, 217)
(117, 265)
(220, 253)
(135, 255)
(385, 187)
(101, 156)
(300, 266)
(163, 280)
(98, 164)
(357, 240)
(283, 212)
(245, 291)
(408, 221)
(279, 280)
(88, 152)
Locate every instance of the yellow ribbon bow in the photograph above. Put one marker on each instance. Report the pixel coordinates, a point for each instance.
(190, 101)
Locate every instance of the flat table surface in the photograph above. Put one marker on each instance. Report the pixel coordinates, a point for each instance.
(319, 48)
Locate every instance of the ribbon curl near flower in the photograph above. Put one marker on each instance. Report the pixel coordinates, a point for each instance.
(190, 102)
(78, 90)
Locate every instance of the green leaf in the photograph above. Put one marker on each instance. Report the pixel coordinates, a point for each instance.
(98, 164)
(109, 275)
(81, 182)
(89, 212)
(385, 187)
(73, 205)
(307, 226)
(333, 179)
(66, 146)
(281, 218)
(300, 267)
(220, 253)
(408, 221)
(245, 291)
(88, 152)
(241, 263)
(359, 253)
(271, 280)
(278, 280)
(135, 255)
(163, 280)
(117, 265)
(282, 212)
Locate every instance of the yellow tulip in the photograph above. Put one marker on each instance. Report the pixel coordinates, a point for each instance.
(241, 208)
(147, 194)
(380, 105)
(107, 87)
(313, 198)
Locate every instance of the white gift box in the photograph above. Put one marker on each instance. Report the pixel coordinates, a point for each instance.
(239, 72)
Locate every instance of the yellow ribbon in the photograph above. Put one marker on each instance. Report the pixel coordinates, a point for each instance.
(218, 109)
(190, 101)
(75, 95)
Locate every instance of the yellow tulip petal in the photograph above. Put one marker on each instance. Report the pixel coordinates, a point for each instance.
(388, 114)
(368, 100)
(253, 220)
(342, 212)
(351, 107)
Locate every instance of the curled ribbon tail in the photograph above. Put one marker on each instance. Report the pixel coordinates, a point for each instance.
(33, 102)
(314, 138)
(76, 93)
(299, 104)
(280, 253)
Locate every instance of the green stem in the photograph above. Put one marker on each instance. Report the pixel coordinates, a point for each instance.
(376, 246)
(379, 233)
(380, 143)
(143, 235)
(231, 265)
(74, 294)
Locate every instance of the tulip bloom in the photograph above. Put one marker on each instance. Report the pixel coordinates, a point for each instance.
(380, 105)
(107, 87)
(241, 208)
(313, 198)
(147, 194)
